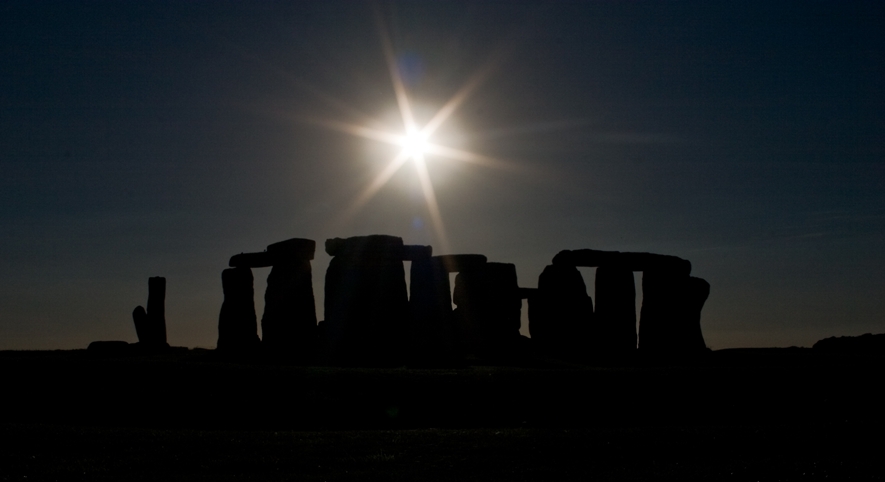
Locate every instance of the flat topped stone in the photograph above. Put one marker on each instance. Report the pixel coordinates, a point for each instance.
(296, 248)
(625, 260)
(251, 260)
(454, 263)
(288, 251)
(377, 246)
(358, 246)
(416, 252)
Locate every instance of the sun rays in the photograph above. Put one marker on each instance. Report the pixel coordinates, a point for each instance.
(415, 142)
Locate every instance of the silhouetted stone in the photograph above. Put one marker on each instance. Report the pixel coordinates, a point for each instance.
(615, 311)
(489, 307)
(865, 345)
(366, 302)
(560, 312)
(625, 260)
(251, 260)
(432, 337)
(142, 330)
(109, 347)
(156, 310)
(288, 326)
(698, 290)
(415, 252)
(669, 322)
(237, 323)
(455, 263)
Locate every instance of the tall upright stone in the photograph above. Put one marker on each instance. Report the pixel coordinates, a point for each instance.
(615, 311)
(662, 317)
(289, 323)
(669, 319)
(489, 306)
(366, 302)
(560, 312)
(156, 310)
(237, 323)
(433, 338)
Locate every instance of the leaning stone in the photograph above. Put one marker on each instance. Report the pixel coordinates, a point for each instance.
(237, 323)
(142, 330)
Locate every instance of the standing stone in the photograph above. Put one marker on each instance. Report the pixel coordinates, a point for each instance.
(289, 323)
(489, 308)
(237, 323)
(431, 339)
(615, 311)
(560, 312)
(663, 298)
(156, 311)
(697, 293)
(366, 302)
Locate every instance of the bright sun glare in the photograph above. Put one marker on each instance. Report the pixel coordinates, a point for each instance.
(414, 143)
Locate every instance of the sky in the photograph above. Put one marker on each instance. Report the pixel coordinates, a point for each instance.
(144, 139)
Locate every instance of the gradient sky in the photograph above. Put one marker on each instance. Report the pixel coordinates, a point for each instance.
(146, 138)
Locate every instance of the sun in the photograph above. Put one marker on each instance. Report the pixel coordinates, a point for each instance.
(414, 144)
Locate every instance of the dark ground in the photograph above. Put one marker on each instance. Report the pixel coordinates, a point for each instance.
(777, 414)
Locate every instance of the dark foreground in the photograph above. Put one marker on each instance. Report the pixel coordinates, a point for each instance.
(788, 414)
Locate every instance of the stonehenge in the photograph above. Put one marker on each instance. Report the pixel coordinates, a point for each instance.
(560, 312)
(366, 299)
(373, 318)
(489, 308)
(669, 322)
(237, 324)
(288, 325)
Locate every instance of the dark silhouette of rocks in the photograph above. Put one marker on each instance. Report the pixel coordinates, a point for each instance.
(366, 302)
(669, 321)
(113, 347)
(237, 323)
(489, 306)
(698, 290)
(629, 261)
(156, 310)
(560, 311)
(433, 340)
(615, 311)
(288, 326)
(139, 318)
(867, 344)
(150, 325)
(432, 336)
